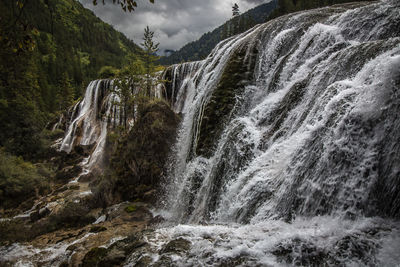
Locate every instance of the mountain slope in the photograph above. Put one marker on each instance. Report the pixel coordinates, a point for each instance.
(201, 48)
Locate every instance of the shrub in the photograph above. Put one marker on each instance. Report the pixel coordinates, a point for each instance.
(107, 72)
(21, 180)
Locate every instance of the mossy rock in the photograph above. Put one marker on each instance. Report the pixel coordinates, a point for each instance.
(237, 74)
(130, 208)
(140, 156)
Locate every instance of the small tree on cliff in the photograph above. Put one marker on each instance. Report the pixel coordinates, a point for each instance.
(129, 79)
(150, 48)
(235, 10)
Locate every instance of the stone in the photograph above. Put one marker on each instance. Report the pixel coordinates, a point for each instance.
(176, 246)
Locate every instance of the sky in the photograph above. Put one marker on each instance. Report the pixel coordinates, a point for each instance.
(175, 22)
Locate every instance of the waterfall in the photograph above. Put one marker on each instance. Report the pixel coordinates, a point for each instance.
(288, 143)
(306, 131)
(288, 150)
(90, 120)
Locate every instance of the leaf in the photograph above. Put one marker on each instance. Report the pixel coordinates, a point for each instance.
(152, 1)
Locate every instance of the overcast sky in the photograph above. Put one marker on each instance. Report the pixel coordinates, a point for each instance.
(175, 22)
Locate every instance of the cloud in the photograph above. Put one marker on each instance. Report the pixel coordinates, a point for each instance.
(175, 22)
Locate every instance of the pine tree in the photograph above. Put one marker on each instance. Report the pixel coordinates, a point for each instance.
(150, 48)
(65, 92)
(235, 10)
(129, 79)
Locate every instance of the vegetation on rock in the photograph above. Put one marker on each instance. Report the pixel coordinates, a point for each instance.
(139, 156)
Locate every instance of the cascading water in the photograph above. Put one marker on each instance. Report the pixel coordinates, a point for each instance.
(288, 151)
(91, 118)
(289, 139)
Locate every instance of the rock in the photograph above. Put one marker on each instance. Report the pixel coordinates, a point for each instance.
(150, 196)
(94, 257)
(144, 261)
(72, 247)
(300, 252)
(68, 173)
(164, 261)
(74, 187)
(86, 178)
(130, 208)
(97, 229)
(39, 214)
(120, 250)
(176, 246)
(157, 220)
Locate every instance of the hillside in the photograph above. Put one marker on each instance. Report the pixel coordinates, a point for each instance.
(49, 51)
(199, 49)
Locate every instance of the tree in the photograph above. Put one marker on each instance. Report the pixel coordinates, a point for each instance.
(129, 5)
(65, 92)
(150, 48)
(127, 86)
(235, 10)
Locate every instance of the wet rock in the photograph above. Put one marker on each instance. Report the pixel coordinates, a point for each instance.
(39, 214)
(157, 220)
(74, 187)
(97, 229)
(176, 246)
(86, 178)
(94, 257)
(150, 196)
(144, 261)
(164, 261)
(300, 253)
(72, 215)
(119, 251)
(68, 173)
(358, 247)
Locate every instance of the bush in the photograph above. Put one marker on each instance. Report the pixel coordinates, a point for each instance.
(107, 72)
(21, 180)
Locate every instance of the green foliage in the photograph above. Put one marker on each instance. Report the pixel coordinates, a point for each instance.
(21, 180)
(130, 78)
(126, 5)
(65, 94)
(149, 58)
(107, 72)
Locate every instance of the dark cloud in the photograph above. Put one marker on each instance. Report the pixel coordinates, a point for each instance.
(175, 22)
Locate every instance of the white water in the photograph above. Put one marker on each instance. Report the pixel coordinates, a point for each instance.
(90, 120)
